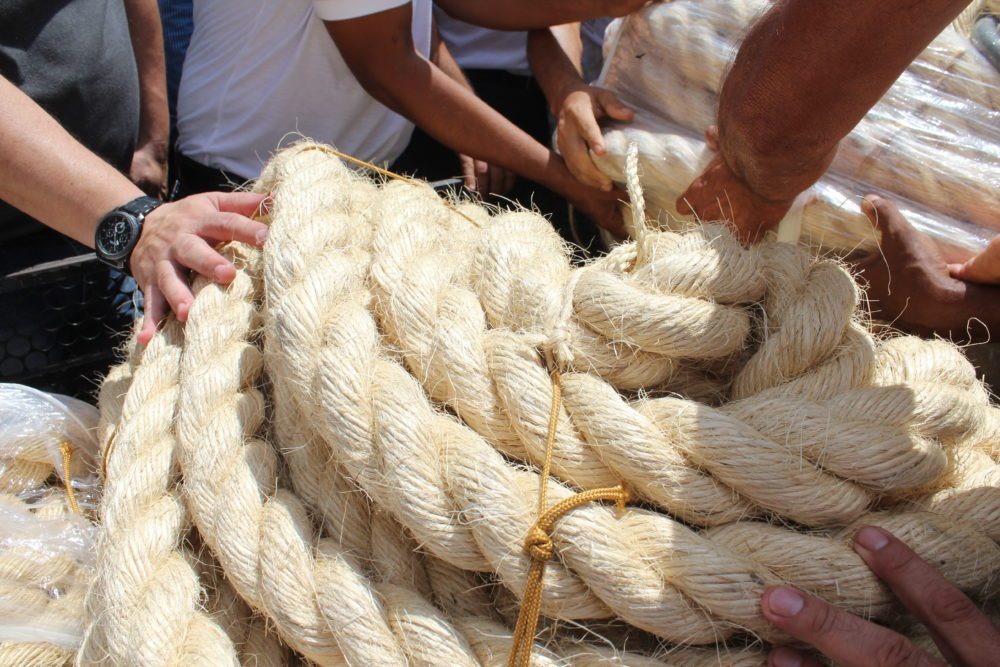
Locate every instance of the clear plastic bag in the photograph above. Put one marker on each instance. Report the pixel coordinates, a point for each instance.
(48, 484)
(932, 144)
(670, 157)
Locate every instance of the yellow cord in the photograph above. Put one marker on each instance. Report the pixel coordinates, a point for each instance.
(538, 543)
(67, 459)
(107, 454)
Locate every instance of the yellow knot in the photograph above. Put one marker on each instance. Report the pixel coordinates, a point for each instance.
(539, 545)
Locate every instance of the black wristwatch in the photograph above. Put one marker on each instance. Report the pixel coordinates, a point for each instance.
(118, 231)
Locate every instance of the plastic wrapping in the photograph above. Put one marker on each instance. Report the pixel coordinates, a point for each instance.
(932, 144)
(48, 484)
(670, 157)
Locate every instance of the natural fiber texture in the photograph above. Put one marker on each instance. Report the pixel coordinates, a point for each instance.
(142, 513)
(401, 349)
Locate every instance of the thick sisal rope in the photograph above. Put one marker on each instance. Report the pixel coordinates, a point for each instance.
(406, 351)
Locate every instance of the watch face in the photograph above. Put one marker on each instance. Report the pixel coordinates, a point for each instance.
(115, 237)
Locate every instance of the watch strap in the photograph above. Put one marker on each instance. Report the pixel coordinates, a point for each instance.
(137, 209)
(140, 206)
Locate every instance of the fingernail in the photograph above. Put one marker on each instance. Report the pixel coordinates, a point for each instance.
(262, 235)
(785, 657)
(220, 273)
(785, 602)
(955, 269)
(871, 538)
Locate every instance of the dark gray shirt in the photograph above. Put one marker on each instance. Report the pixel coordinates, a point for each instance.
(74, 58)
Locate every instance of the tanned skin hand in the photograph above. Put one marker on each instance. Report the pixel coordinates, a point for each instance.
(380, 52)
(910, 286)
(555, 54)
(805, 74)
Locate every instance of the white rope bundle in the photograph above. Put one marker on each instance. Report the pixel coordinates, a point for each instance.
(932, 139)
(394, 351)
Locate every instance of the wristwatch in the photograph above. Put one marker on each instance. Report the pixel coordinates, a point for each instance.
(118, 231)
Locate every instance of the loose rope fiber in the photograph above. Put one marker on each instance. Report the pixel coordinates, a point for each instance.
(362, 415)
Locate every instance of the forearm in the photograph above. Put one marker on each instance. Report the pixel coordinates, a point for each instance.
(555, 54)
(452, 114)
(147, 44)
(446, 62)
(525, 14)
(806, 73)
(49, 175)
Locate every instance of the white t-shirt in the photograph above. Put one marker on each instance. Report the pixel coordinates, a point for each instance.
(260, 74)
(481, 48)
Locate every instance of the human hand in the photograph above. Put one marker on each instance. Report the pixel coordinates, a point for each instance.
(963, 634)
(910, 285)
(983, 268)
(149, 169)
(718, 193)
(485, 178)
(179, 236)
(616, 8)
(602, 208)
(578, 133)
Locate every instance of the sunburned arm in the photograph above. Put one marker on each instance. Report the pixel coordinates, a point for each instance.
(442, 58)
(532, 14)
(379, 51)
(806, 73)
(555, 54)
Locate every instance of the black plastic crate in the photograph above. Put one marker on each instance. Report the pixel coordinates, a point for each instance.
(60, 324)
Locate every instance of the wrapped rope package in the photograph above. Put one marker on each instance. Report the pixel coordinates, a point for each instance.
(48, 489)
(405, 414)
(932, 143)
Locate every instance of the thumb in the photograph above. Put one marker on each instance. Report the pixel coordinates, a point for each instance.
(884, 217)
(683, 205)
(614, 107)
(247, 204)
